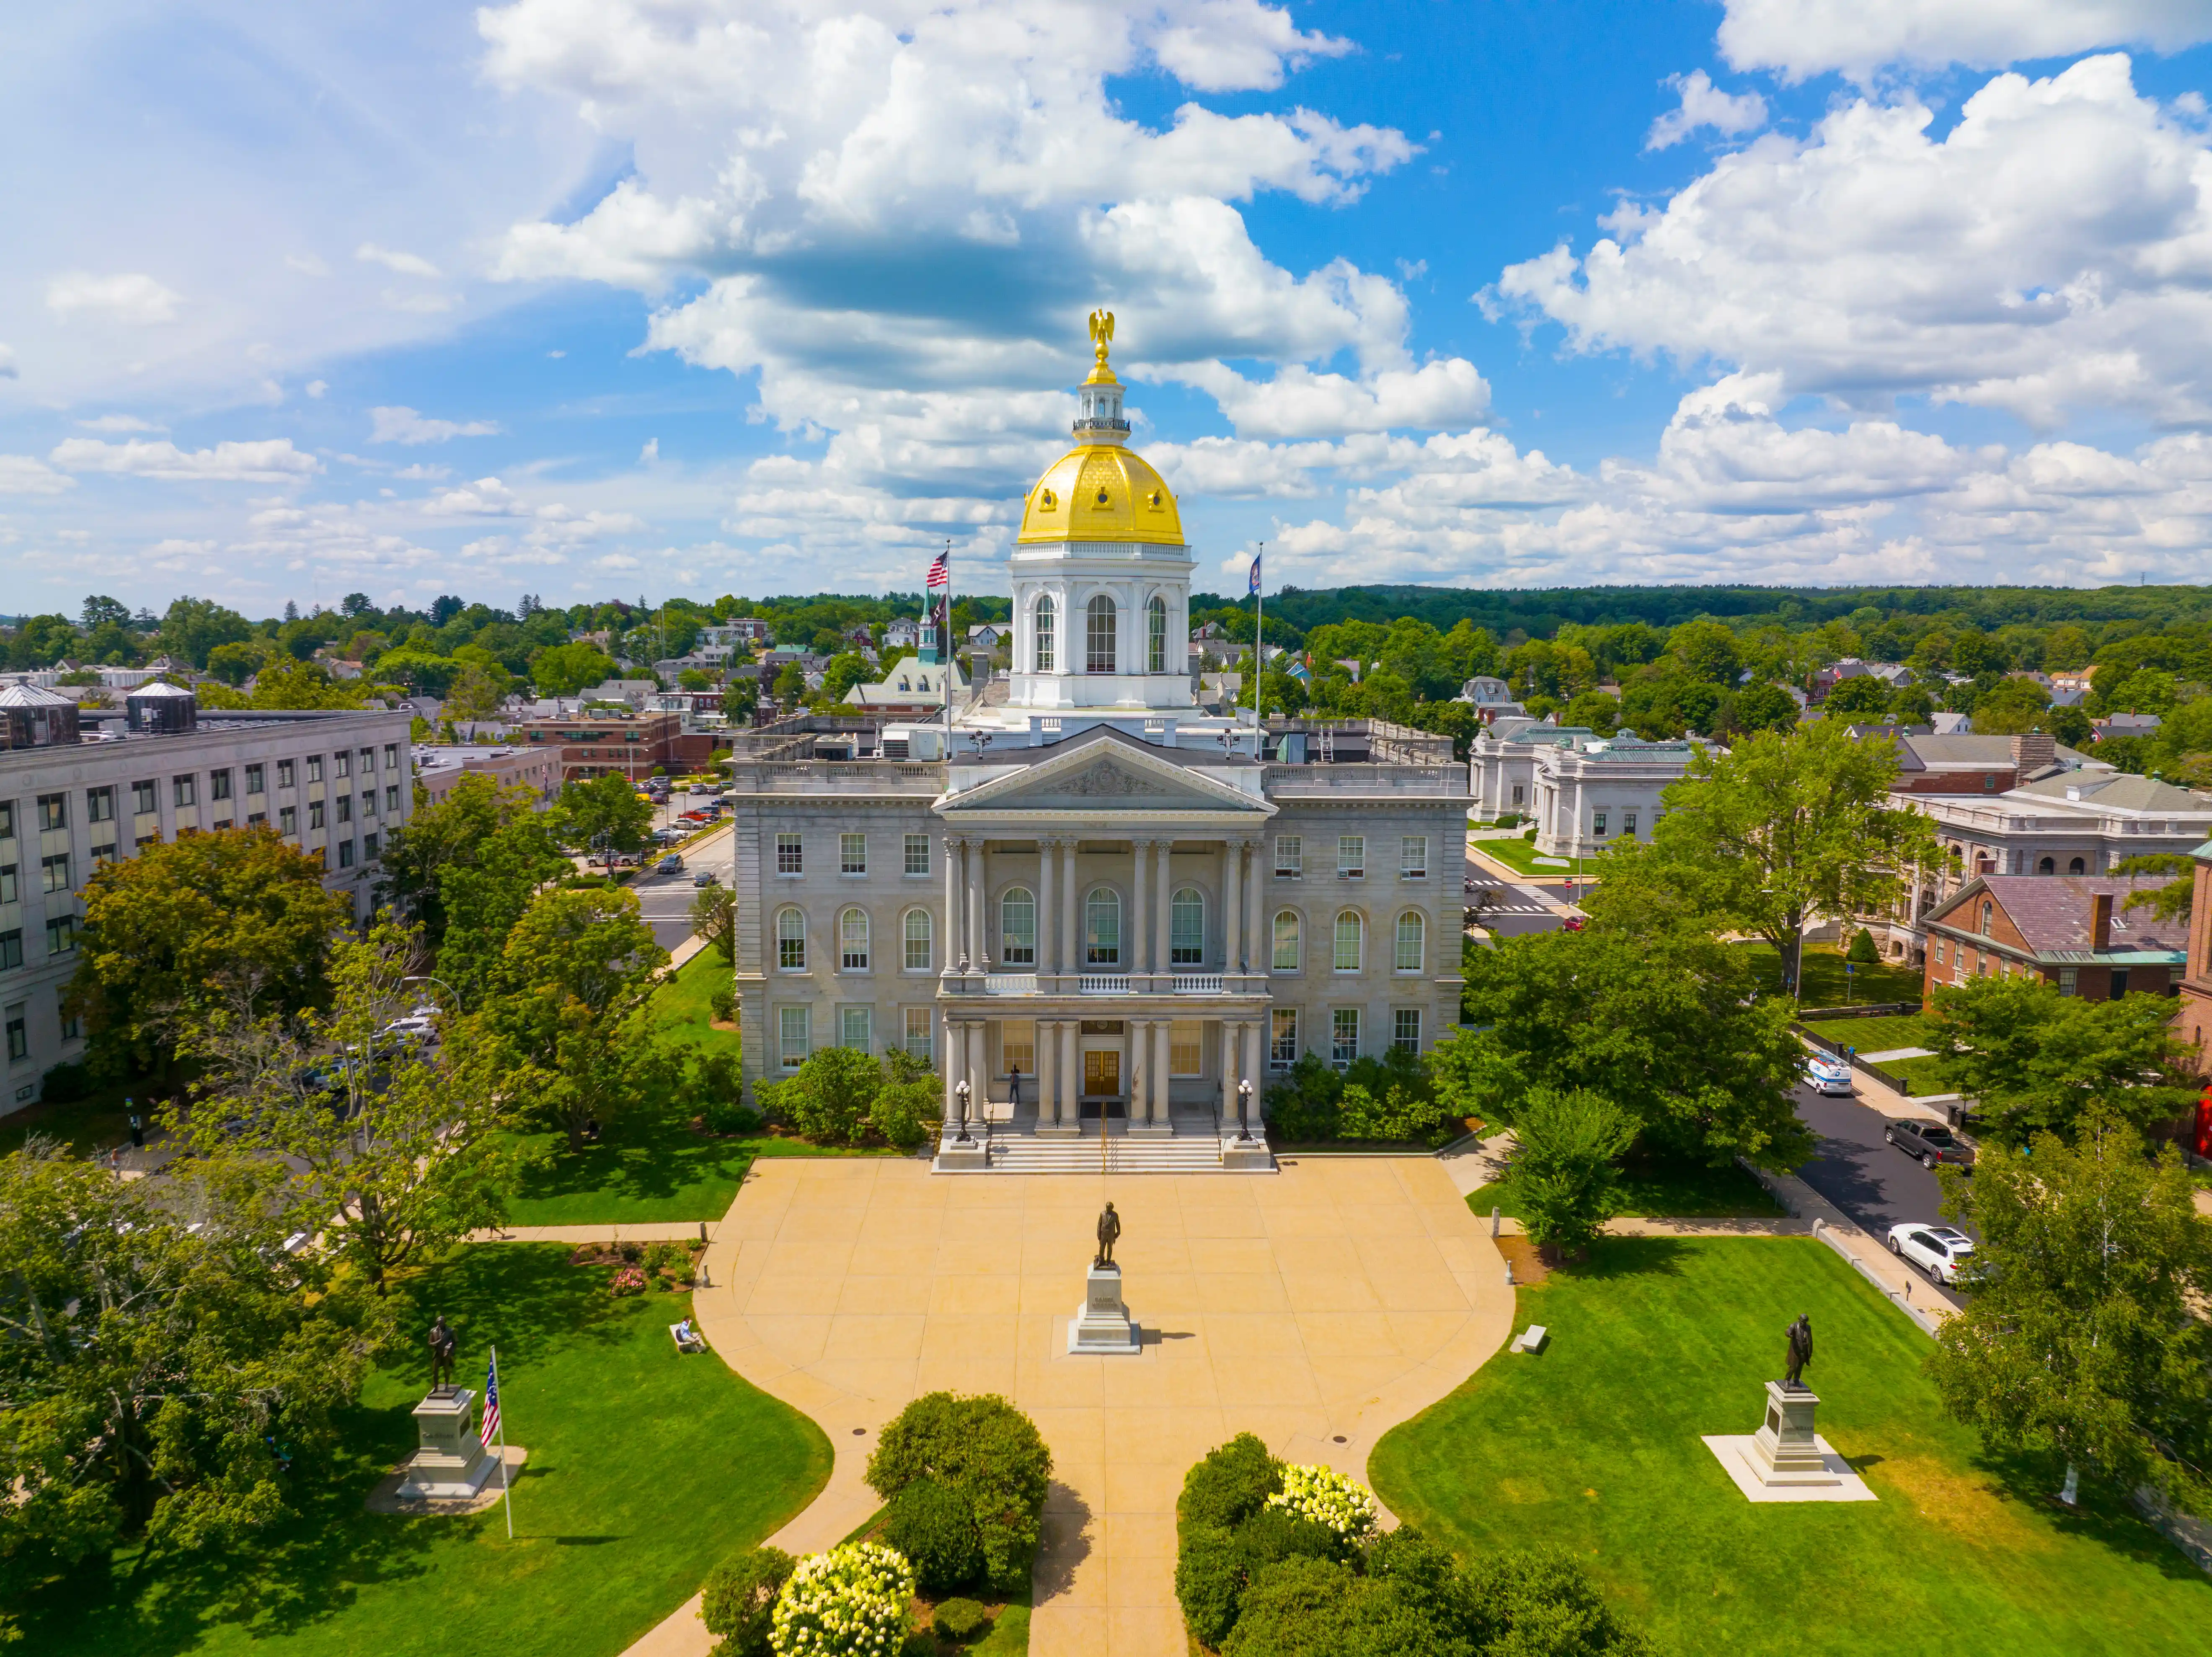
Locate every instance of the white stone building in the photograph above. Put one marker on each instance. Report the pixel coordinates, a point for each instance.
(334, 784)
(1593, 791)
(1104, 905)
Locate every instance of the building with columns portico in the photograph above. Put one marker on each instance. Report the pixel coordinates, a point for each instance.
(1091, 902)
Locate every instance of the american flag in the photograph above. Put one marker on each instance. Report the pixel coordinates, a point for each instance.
(490, 1430)
(940, 572)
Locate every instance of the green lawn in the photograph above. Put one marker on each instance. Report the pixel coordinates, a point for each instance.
(1593, 1446)
(1661, 1190)
(1876, 1035)
(89, 1126)
(644, 1469)
(1520, 855)
(649, 1166)
(1821, 981)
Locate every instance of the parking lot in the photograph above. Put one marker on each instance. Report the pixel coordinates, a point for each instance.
(1876, 1184)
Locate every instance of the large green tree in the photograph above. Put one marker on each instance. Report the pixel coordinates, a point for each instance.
(235, 917)
(2036, 1061)
(2084, 1337)
(392, 1140)
(565, 670)
(1565, 1173)
(157, 1378)
(605, 814)
(1784, 826)
(472, 859)
(1645, 1008)
(194, 627)
(571, 988)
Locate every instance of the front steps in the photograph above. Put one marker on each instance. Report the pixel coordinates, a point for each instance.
(1013, 1149)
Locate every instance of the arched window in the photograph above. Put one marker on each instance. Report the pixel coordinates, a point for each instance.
(1186, 928)
(2076, 867)
(1988, 917)
(852, 941)
(918, 940)
(1285, 957)
(2047, 866)
(1043, 649)
(1098, 637)
(1102, 927)
(791, 941)
(1350, 940)
(1018, 927)
(1156, 637)
(1412, 933)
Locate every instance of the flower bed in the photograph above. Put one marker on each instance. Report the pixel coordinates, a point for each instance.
(854, 1599)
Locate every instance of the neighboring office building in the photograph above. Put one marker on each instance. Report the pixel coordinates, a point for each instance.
(333, 784)
(604, 744)
(1593, 790)
(1501, 763)
(2074, 931)
(743, 630)
(2192, 1021)
(438, 769)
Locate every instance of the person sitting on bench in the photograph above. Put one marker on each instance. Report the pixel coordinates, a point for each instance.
(687, 1338)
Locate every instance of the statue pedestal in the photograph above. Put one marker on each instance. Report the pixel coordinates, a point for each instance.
(1785, 1461)
(453, 1463)
(1101, 1324)
(955, 1157)
(1246, 1156)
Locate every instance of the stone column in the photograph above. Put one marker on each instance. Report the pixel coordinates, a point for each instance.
(1228, 1076)
(1141, 1072)
(979, 957)
(1139, 958)
(1163, 1073)
(1164, 925)
(1232, 895)
(1047, 960)
(1046, 1070)
(956, 949)
(947, 1033)
(978, 1074)
(1252, 1068)
(1071, 930)
(1071, 1073)
(1254, 902)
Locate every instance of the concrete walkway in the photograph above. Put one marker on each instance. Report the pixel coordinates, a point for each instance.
(672, 1231)
(1317, 1309)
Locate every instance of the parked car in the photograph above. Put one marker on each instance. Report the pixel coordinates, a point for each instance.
(1825, 1074)
(672, 865)
(1572, 923)
(1931, 1142)
(705, 877)
(1943, 1251)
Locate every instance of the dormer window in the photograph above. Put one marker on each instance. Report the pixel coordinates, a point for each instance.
(1102, 497)
(1047, 501)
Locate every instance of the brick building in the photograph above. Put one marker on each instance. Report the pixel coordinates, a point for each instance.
(2074, 931)
(607, 744)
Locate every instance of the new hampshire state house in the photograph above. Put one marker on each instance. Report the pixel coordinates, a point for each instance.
(1106, 914)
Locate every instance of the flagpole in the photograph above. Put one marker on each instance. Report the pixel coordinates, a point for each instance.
(1259, 644)
(506, 1487)
(945, 635)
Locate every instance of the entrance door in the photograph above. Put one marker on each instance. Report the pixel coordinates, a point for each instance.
(1101, 1072)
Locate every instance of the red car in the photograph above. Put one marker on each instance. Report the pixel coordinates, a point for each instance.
(1572, 923)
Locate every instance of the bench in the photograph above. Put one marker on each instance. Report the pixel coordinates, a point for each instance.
(697, 1343)
(1531, 1339)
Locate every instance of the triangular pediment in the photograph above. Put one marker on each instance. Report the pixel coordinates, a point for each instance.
(1106, 773)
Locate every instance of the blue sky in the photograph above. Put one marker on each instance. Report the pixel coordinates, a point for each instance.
(700, 296)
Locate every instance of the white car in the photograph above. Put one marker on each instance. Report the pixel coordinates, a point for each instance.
(1943, 1251)
(1824, 1073)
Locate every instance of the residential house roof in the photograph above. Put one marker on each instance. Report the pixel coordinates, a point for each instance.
(2054, 915)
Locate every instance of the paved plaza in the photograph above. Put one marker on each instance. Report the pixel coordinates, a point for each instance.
(1317, 1308)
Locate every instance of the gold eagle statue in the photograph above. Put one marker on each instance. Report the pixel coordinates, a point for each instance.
(1101, 333)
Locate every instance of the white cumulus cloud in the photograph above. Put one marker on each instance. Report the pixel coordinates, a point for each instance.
(133, 298)
(269, 460)
(1705, 105)
(1804, 38)
(23, 474)
(395, 259)
(405, 425)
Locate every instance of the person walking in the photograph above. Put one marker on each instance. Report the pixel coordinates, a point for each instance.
(1014, 1086)
(137, 1128)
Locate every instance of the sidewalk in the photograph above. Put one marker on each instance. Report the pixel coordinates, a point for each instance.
(664, 1231)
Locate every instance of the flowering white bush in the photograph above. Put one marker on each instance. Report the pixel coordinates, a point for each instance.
(850, 1602)
(1328, 1497)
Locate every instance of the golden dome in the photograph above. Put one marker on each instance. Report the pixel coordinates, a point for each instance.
(1101, 492)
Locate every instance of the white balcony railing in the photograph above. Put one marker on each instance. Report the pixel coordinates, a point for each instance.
(1010, 984)
(1199, 984)
(1102, 984)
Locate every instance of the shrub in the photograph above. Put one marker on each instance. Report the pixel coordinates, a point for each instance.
(1328, 1498)
(631, 1252)
(934, 1526)
(1231, 1483)
(1209, 1580)
(903, 1111)
(1862, 952)
(961, 1619)
(1277, 1533)
(66, 1083)
(830, 1098)
(1292, 1608)
(626, 1281)
(671, 1257)
(718, 1085)
(1565, 1170)
(852, 1600)
(722, 1006)
(1538, 1599)
(986, 1452)
(738, 1604)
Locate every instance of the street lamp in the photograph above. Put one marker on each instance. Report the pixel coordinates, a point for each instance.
(1244, 1111)
(960, 1092)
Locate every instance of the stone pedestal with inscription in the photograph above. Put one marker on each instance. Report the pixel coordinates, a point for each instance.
(1102, 1323)
(453, 1463)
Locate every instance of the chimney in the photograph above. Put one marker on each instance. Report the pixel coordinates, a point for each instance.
(2100, 921)
(2032, 750)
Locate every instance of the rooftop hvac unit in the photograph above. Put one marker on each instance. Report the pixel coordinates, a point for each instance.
(163, 710)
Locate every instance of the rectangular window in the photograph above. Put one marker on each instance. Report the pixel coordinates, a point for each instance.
(72, 1025)
(1414, 857)
(18, 1037)
(856, 1028)
(1520, 794)
(7, 882)
(102, 852)
(369, 802)
(1282, 1038)
(143, 802)
(314, 768)
(61, 935)
(793, 1034)
(1186, 1047)
(391, 756)
(368, 848)
(254, 819)
(286, 771)
(919, 1022)
(1406, 1029)
(345, 808)
(257, 779)
(1290, 856)
(1343, 1037)
(345, 855)
(218, 784)
(53, 812)
(342, 763)
(2068, 980)
(11, 948)
(787, 857)
(851, 855)
(2119, 982)
(1017, 1047)
(1628, 824)
(391, 797)
(288, 819)
(144, 840)
(7, 819)
(315, 814)
(99, 805)
(1597, 825)
(1351, 856)
(917, 854)
(54, 873)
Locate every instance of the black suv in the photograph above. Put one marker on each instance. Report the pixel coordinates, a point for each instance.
(1931, 1142)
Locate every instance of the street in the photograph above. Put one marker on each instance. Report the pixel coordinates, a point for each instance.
(1522, 907)
(1876, 1184)
(666, 901)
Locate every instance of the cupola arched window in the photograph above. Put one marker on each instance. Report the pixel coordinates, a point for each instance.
(1186, 928)
(1102, 927)
(1043, 649)
(1098, 637)
(1018, 927)
(1156, 637)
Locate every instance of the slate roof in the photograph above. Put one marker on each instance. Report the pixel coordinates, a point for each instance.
(2053, 915)
(2117, 789)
